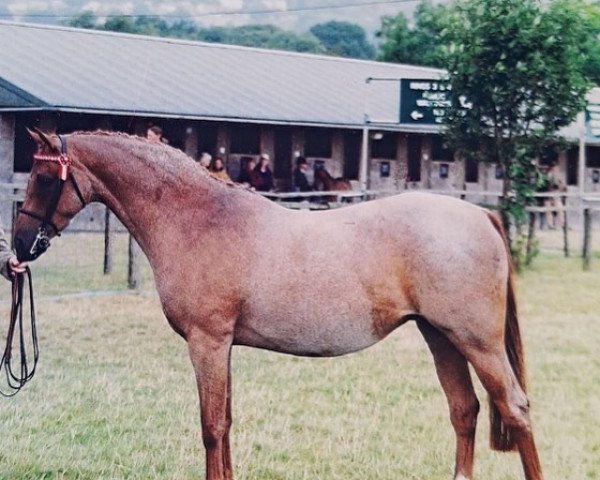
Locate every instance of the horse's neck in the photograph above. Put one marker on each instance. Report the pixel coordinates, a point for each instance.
(327, 180)
(145, 186)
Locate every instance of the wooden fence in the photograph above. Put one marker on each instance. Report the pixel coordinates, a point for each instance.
(15, 192)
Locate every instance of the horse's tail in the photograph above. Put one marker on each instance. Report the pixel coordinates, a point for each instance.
(501, 437)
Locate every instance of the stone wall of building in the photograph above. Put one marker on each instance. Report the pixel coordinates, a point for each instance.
(7, 157)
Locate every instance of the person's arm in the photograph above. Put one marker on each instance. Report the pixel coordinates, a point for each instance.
(5, 255)
(8, 261)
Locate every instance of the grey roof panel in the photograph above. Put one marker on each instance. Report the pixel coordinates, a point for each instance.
(100, 71)
(14, 97)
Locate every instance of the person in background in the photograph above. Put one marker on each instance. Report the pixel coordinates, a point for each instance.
(217, 170)
(300, 181)
(245, 177)
(154, 134)
(205, 159)
(262, 178)
(554, 185)
(9, 265)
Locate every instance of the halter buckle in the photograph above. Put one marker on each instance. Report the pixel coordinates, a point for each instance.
(62, 159)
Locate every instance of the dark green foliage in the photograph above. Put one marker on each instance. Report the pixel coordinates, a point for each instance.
(518, 67)
(343, 39)
(264, 36)
(121, 23)
(592, 65)
(420, 45)
(86, 20)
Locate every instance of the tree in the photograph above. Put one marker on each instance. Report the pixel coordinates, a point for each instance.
(343, 39)
(421, 45)
(592, 66)
(516, 73)
(269, 36)
(291, 41)
(120, 23)
(153, 26)
(86, 20)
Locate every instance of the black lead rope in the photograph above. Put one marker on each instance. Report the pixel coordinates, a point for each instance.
(17, 378)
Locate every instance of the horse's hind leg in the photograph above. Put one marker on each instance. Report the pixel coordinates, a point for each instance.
(453, 373)
(498, 378)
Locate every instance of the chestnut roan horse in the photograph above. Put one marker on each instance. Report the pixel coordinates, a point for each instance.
(346, 278)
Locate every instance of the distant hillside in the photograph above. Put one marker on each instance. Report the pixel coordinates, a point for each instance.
(296, 15)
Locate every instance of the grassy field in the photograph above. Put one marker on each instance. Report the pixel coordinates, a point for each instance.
(114, 396)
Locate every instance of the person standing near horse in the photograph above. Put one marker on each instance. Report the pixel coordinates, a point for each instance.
(300, 181)
(9, 265)
(262, 178)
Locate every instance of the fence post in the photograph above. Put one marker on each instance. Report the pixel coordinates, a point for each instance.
(587, 237)
(565, 226)
(530, 238)
(108, 244)
(133, 271)
(14, 213)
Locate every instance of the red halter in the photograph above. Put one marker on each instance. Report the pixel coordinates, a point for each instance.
(62, 159)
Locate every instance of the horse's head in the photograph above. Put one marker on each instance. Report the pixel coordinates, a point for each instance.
(322, 174)
(52, 199)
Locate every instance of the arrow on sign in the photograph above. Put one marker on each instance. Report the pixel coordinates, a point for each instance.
(416, 115)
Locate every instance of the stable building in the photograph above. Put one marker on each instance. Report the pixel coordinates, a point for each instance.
(234, 102)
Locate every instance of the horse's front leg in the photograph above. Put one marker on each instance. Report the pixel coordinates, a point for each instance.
(210, 356)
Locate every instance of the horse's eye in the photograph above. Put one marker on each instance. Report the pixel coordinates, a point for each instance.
(44, 180)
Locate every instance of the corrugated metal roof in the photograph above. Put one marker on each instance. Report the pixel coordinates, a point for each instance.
(85, 70)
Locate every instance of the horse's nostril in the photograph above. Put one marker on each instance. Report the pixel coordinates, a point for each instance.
(20, 248)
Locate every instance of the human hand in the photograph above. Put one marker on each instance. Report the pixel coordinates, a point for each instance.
(15, 266)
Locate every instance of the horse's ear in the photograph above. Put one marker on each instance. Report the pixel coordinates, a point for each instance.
(42, 139)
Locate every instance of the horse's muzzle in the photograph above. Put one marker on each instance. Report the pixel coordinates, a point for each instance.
(28, 247)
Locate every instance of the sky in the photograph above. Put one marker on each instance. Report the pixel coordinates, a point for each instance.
(297, 15)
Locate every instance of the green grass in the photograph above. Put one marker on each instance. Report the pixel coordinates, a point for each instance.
(114, 396)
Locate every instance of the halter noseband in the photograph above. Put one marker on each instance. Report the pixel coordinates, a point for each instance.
(42, 240)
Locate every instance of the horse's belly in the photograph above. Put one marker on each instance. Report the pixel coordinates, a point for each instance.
(307, 335)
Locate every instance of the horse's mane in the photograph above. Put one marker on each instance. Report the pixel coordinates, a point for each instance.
(173, 152)
(323, 171)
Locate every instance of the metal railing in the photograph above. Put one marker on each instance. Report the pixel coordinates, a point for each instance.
(320, 200)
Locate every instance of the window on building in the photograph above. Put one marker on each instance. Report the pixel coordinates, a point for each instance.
(24, 146)
(573, 166)
(414, 158)
(593, 157)
(352, 150)
(384, 145)
(282, 167)
(245, 139)
(471, 171)
(549, 156)
(440, 152)
(207, 138)
(173, 133)
(317, 143)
